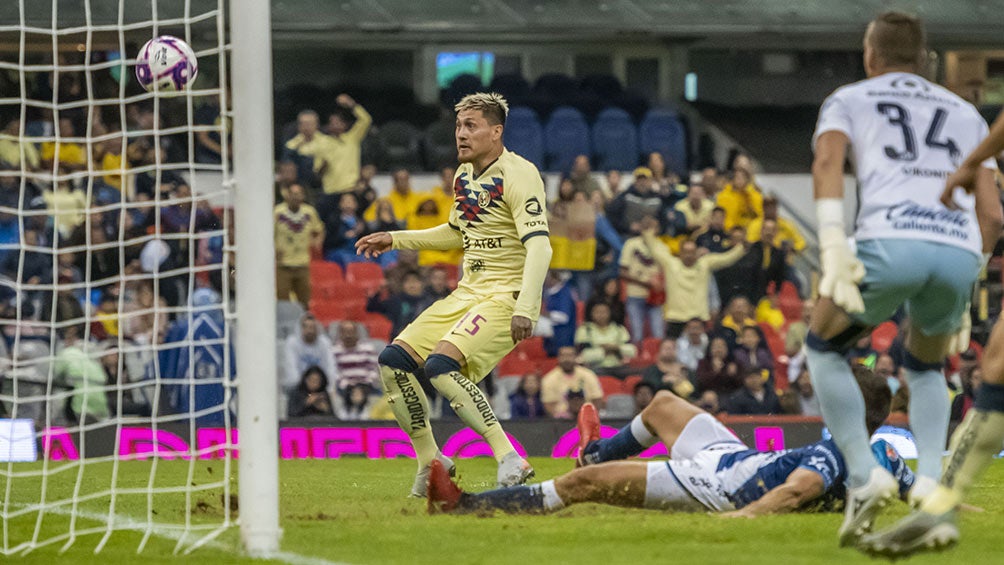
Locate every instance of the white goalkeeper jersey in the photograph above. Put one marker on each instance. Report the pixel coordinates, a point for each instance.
(907, 135)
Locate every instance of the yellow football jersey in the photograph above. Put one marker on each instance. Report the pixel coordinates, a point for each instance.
(495, 213)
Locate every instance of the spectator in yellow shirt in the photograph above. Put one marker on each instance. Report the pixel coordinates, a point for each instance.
(308, 146)
(568, 377)
(298, 230)
(65, 154)
(339, 164)
(696, 208)
(788, 237)
(442, 194)
(402, 199)
(740, 200)
(11, 146)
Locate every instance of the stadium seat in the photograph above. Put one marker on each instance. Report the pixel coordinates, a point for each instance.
(327, 311)
(605, 86)
(556, 85)
(580, 312)
(399, 145)
(513, 86)
(615, 141)
(377, 326)
(611, 385)
(532, 348)
(287, 317)
(619, 406)
(662, 131)
(452, 273)
(650, 347)
(524, 136)
(630, 382)
(326, 270)
(515, 365)
(440, 145)
(883, 336)
(365, 274)
(566, 136)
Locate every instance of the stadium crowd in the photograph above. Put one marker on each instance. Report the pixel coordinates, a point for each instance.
(658, 282)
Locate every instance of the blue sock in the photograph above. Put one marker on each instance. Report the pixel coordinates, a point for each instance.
(631, 440)
(843, 407)
(929, 402)
(514, 500)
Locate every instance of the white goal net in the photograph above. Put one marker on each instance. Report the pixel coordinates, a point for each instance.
(118, 397)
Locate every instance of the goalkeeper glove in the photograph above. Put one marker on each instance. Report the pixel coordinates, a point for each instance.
(842, 271)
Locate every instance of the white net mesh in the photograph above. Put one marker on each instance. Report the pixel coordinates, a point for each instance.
(115, 259)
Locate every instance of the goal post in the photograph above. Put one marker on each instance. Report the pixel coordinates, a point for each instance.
(126, 326)
(257, 415)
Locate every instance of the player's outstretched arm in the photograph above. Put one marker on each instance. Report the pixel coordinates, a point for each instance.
(374, 244)
(802, 486)
(442, 237)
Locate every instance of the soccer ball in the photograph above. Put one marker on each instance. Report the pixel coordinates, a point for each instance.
(166, 63)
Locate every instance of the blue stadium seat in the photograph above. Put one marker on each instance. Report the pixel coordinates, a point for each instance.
(524, 136)
(566, 136)
(440, 145)
(556, 85)
(399, 144)
(513, 86)
(615, 141)
(662, 131)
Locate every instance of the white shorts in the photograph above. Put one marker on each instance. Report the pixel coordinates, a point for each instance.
(688, 481)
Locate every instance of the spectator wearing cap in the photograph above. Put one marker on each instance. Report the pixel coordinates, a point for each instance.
(741, 201)
(644, 287)
(298, 230)
(640, 199)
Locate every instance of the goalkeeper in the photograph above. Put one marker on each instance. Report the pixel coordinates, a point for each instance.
(709, 470)
(500, 221)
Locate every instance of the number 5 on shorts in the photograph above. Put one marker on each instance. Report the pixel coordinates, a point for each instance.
(469, 324)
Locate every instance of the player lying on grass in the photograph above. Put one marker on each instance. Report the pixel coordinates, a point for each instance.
(709, 470)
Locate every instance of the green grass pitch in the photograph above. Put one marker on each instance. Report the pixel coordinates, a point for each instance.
(355, 511)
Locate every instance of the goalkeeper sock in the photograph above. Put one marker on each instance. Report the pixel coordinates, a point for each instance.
(411, 410)
(975, 443)
(842, 405)
(472, 407)
(931, 407)
(631, 440)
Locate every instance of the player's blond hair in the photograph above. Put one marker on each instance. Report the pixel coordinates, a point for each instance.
(493, 106)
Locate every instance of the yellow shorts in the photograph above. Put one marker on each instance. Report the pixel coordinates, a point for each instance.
(479, 325)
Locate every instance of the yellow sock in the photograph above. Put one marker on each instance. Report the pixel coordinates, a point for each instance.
(472, 406)
(411, 410)
(977, 440)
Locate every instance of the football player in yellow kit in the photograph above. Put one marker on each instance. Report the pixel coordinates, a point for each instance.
(500, 221)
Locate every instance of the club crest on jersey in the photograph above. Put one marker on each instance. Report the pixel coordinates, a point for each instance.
(473, 198)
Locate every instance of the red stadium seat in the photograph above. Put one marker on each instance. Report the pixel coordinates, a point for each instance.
(325, 272)
(531, 348)
(452, 273)
(326, 289)
(580, 312)
(366, 275)
(630, 382)
(650, 347)
(355, 309)
(611, 385)
(516, 365)
(377, 326)
(327, 311)
(883, 335)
